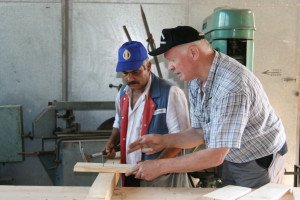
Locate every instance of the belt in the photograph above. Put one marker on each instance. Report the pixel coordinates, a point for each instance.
(267, 160)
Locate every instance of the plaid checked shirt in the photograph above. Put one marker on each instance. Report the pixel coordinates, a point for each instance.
(234, 111)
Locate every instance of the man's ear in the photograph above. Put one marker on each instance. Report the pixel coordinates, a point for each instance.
(193, 52)
(149, 66)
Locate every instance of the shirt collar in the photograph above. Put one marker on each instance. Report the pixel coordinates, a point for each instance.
(212, 72)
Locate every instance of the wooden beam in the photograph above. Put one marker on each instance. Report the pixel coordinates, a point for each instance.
(229, 192)
(104, 185)
(100, 167)
(13, 192)
(269, 191)
(159, 193)
(8, 192)
(294, 196)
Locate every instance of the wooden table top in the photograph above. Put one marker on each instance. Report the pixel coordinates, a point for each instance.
(8, 192)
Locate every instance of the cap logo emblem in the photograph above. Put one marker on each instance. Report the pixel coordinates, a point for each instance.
(162, 38)
(126, 54)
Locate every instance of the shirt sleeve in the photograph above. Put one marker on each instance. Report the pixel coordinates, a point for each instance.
(118, 110)
(177, 113)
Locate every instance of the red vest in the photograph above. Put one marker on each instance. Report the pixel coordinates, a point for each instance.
(149, 109)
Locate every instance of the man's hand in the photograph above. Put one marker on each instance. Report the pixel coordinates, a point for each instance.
(110, 150)
(145, 170)
(149, 144)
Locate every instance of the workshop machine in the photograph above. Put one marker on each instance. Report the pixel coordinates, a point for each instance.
(231, 31)
(63, 143)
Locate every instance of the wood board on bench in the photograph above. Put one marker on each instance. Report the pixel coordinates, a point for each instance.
(112, 169)
(230, 192)
(270, 191)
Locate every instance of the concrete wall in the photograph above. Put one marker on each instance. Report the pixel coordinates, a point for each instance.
(33, 54)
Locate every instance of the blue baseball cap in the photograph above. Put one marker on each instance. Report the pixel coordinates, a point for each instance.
(131, 56)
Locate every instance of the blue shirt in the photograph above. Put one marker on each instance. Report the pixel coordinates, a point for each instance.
(234, 111)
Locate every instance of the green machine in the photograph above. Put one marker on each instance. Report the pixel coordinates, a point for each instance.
(231, 31)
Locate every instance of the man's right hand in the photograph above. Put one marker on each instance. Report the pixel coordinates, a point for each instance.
(149, 144)
(110, 150)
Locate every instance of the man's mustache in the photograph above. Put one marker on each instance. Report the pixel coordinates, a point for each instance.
(132, 82)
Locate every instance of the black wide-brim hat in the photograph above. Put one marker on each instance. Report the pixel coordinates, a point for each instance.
(176, 36)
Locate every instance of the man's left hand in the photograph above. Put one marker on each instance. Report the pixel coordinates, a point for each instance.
(147, 170)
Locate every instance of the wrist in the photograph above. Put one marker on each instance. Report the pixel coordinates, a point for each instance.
(162, 166)
(164, 141)
(167, 140)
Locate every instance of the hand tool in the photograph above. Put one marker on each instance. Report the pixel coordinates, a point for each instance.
(87, 158)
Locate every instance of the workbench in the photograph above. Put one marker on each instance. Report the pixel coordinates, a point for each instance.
(104, 188)
(80, 193)
(120, 193)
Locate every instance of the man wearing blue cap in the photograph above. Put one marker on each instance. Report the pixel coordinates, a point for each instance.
(230, 113)
(146, 104)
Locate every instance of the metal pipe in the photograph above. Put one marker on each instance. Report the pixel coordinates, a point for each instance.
(127, 33)
(103, 134)
(66, 51)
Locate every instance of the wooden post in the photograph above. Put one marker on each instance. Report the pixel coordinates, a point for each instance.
(103, 186)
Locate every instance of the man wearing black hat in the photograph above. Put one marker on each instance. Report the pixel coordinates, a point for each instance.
(230, 113)
(146, 104)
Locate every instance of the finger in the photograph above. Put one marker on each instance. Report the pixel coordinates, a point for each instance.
(142, 176)
(138, 175)
(134, 148)
(132, 171)
(138, 144)
(111, 154)
(106, 149)
(148, 150)
(135, 143)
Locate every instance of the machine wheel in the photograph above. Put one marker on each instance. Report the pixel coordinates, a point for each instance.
(107, 124)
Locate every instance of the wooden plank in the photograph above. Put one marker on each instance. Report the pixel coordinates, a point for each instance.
(229, 192)
(294, 196)
(119, 193)
(159, 193)
(270, 191)
(12, 192)
(99, 167)
(103, 186)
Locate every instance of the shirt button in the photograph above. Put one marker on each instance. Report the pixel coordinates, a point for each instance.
(123, 138)
(145, 124)
(122, 117)
(124, 98)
